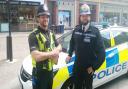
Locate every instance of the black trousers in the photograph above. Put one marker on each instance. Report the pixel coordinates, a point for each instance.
(42, 79)
(82, 79)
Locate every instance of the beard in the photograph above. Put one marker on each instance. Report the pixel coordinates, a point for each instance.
(84, 22)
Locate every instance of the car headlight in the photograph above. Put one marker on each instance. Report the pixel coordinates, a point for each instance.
(24, 75)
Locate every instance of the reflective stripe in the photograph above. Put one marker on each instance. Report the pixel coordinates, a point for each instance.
(41, 44)
(112, 40)
(33, 62)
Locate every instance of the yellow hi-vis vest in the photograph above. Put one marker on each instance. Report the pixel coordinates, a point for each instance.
(47, 64)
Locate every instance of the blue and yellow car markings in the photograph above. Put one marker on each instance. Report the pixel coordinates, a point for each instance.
(61, 76)
(112, 57)
(116, 60)
(70, 67)
(102, 67)
(123, 53)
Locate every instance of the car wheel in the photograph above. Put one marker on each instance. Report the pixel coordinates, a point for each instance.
(69, 84)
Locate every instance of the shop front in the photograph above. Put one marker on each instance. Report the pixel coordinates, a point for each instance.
(22, 13)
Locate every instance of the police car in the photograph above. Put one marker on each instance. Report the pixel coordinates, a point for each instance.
(115, 64)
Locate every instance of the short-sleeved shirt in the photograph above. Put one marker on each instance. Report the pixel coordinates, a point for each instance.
(33, 42)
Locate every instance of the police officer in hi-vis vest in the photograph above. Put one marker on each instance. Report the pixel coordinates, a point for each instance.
(44, 50)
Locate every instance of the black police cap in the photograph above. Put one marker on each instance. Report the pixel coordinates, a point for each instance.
(43, 10)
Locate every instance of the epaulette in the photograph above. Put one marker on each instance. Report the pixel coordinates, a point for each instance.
(35, 31)
(77, 27)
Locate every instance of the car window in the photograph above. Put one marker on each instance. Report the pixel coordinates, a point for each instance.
(64, 41)
(106, 39)
(120, 37)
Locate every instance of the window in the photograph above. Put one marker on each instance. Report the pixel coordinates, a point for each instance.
(120, 37)
(64, 18)
(106, 39)
(22, 14)
(3, 13)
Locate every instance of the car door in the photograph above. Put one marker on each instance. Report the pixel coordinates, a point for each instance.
(99, 75)
(121, 43)
(106, 72)
(112, 57)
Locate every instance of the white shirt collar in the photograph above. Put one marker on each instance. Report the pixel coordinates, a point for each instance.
(85, 27)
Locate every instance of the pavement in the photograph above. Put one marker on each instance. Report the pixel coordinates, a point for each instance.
(9, 70)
